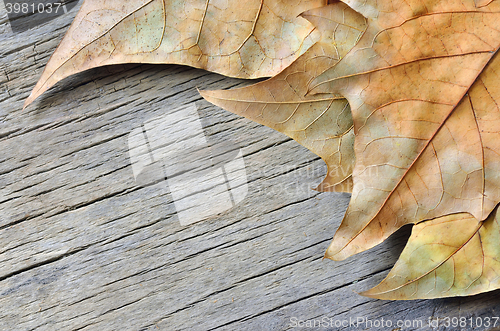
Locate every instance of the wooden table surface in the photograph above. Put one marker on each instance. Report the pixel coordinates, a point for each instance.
(84, 246)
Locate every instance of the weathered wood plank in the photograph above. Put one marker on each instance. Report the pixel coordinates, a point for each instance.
(84, 247)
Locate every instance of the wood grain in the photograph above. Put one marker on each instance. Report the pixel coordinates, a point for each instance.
(83, 247)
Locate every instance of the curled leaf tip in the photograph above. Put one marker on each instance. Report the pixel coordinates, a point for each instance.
(335, 255)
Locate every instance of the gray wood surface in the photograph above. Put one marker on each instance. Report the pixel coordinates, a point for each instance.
(83, 246)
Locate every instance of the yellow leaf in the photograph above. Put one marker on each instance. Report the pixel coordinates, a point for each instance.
(454, 255)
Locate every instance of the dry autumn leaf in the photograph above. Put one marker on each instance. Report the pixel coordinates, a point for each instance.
(321, 123)
(257, 38)
(421, 79)
(454, 255)
(426, 116)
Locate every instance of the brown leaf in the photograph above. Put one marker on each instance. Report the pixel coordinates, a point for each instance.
(454, 255)
(322, 123)
(426, 116)
(249, 39)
